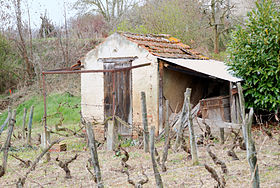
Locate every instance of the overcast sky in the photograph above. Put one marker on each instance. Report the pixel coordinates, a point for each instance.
(54, 8)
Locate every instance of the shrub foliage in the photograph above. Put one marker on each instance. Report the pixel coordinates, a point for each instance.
(254, 55)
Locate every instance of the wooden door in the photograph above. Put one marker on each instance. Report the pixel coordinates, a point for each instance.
(117, 86)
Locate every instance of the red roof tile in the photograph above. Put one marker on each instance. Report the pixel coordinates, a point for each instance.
(163, 45)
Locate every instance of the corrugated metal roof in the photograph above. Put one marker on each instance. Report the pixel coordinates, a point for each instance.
(163, 45)
(212, 68)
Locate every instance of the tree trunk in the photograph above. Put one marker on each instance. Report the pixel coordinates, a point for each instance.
(216, 39)
(28, 65)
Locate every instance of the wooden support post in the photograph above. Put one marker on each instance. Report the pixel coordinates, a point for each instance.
(152, 151)
(94, 156)
(23, 123)
(7, 144)
(111, 135)
(30, 126)
(238, 114)
(191, 130)
(251, 150)
(159, 128)
(166, 138)
(181, 124)
(242, 110)
(145, 122)
(233, 113)
(6, 122)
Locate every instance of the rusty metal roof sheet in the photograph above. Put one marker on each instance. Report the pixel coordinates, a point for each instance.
(163, 45)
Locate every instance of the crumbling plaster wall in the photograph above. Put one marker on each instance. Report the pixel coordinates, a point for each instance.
(143, 79)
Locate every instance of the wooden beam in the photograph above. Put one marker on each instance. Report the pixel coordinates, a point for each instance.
(159, 128)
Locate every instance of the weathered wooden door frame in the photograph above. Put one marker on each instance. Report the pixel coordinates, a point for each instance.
(119, 88)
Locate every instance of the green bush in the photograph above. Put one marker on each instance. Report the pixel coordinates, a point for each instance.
(254, 55)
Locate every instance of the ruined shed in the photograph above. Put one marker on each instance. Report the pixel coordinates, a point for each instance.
(173, 67)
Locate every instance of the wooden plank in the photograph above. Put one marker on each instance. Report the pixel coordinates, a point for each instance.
(118, 59)
(58, 147)
(117, 93)
(220, 124)
(175, 120)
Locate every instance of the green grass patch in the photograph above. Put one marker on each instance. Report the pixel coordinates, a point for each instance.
(70, 109)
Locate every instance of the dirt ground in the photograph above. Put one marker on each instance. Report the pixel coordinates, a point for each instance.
(180, 171)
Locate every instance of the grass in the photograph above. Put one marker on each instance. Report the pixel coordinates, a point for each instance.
(70, 110)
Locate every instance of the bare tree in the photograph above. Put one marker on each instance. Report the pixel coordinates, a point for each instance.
(217, 12)
(29, 68)
(111, 10)
(47, 29)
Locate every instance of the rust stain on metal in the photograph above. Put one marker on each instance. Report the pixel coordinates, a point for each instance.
(93, 71)
(216, 108)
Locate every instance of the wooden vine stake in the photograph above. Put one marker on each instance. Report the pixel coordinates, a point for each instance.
(94, 156)
(12, 121)
(145, 122)
(222, 135)
(152, 151)
(250, 145)
(23, 123)
(251, 151)
(191, 130)
(30, 126)
(6, 122)
(166, 138)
